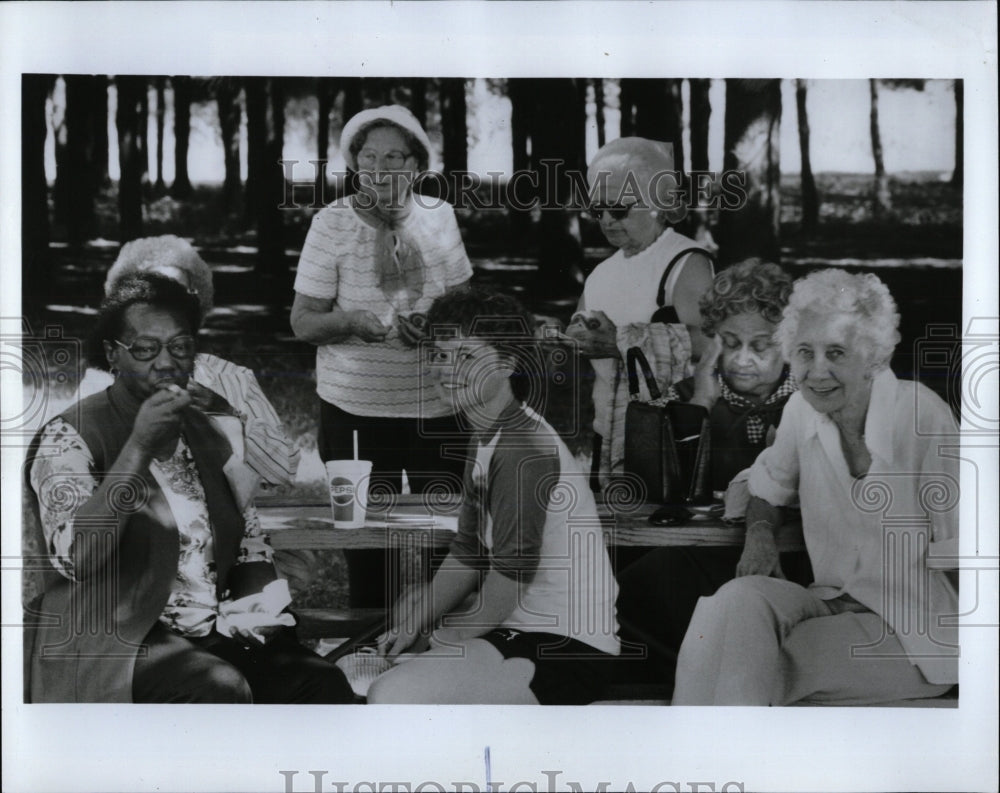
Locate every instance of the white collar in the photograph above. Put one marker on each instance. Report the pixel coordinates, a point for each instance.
(879, 421)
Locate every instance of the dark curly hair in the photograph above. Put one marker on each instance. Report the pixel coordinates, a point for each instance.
(498, 318)
(150, 289)
(751, 286)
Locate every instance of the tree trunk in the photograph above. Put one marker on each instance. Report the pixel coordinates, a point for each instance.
(810, 200)
(181, 187)
(657, 109)
(881, 197)
(265, 130)
(454, 126)
(255, 94)
(100, 131)
(35, 262)
(62, 191)
(326, 92)
(522, 113)
(557, 137)
(752, 136)
(351, 103)
(129, 121)
(160, 188)
(521, 118)
(675, 121)
(353, 98)
(958, 175)
(599, 111)
(701, 112)
(144, 132)
(626, 104)
(418, 99)
(78, 170)
(227, 92)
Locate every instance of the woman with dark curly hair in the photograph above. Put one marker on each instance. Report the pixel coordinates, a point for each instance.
(741, 380)
(743, 383)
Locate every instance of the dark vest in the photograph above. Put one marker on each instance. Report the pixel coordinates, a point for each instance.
(731, 450)
(85, 635)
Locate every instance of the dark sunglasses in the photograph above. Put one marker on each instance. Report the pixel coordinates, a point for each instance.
(617, 211)
(146, 349)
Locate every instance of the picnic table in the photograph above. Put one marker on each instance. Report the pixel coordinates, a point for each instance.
(413, 520)
(414, 527)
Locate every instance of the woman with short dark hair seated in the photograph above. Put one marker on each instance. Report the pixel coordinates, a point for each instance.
(154, 542)
(744, 384)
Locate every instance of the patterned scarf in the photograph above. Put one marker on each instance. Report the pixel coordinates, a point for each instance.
(399, 266)
(755, 424)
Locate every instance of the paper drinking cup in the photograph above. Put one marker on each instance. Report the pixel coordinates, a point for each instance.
(348, 482)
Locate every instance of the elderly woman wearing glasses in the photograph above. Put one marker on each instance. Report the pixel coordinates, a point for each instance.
(372, 264)
(648, 289)
(216, 385)
(152, 537)
(872, 463)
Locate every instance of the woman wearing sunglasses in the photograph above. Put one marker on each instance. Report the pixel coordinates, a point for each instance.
(152, 538)
(654, 279)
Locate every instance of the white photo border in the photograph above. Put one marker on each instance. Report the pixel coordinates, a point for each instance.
(140, 748)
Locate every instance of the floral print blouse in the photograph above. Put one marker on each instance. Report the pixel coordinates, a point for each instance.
(63, 478)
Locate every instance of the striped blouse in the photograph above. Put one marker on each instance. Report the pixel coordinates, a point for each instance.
(338, 263)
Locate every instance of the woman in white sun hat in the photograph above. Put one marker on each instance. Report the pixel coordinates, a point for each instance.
(372, 263)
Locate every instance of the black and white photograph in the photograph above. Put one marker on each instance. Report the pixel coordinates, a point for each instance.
(371, 369)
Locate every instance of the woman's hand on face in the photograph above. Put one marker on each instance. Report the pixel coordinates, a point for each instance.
(760, 554)
(366, 326)
(706, 384)
(158, 423)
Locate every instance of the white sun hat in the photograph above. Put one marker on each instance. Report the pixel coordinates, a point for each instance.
(394, 114)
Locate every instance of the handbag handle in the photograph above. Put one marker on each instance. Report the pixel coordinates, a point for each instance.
(664, 313)
(633, 356)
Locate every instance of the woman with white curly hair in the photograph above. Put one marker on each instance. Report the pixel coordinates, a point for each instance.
(217, 386)
(867, 458)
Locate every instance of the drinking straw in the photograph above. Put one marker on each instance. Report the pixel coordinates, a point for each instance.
(355, 444)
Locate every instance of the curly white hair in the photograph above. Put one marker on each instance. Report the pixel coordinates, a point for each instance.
(861, 295)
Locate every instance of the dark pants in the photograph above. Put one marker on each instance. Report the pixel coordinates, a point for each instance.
(658, 593)
(432, 451)
(217, 669)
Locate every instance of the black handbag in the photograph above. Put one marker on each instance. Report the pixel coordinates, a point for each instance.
(666, 442)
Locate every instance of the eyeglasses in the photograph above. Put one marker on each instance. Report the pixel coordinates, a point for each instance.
(144, 348)
(367, 158)
(617, 211)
